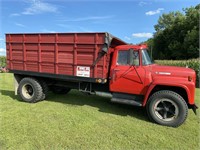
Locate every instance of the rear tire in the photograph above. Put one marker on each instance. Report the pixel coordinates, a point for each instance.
(60, 90)
(30, 90)
(45, 89)
(167, 108)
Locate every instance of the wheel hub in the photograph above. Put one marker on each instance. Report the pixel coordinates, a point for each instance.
(27, 91)
(166, 109)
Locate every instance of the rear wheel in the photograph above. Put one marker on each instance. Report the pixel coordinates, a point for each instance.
(60, 90)
(30, 90)
(45, 89)
(167, 108)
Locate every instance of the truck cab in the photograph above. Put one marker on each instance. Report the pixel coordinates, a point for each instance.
(167, 92)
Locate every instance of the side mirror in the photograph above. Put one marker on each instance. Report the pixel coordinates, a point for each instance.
(131, 57)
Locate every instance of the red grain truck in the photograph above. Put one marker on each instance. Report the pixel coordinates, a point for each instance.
(101, 64)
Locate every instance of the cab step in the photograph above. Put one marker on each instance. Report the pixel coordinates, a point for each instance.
(126, 101)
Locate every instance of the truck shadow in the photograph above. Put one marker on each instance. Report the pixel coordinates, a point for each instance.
(10, 94)
(103, 105)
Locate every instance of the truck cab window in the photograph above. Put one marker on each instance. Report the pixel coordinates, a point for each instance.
(136, 58)
(146, 60)
(122, 58)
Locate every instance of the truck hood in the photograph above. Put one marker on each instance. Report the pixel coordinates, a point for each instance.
(158, 70)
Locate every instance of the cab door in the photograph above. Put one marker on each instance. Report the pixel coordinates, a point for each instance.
(127, 75)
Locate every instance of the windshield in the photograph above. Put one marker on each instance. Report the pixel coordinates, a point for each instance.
(146, 60)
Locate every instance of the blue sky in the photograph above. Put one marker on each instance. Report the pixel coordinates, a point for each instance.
(131, 20)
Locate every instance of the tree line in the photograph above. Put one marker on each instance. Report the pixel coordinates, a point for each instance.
(176, 35)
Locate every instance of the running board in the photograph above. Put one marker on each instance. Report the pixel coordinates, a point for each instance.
(126, 101)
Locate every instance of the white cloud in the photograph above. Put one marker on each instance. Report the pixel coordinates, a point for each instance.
(38, 7)
(154, 12)
(2, 50)
(20, 25)
(1, 39)
(127, 38)
(90, 18)
(14, 15)
(142, 35)
(142, 3)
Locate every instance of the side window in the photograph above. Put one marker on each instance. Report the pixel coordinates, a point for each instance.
(136, 58)
(123, 58)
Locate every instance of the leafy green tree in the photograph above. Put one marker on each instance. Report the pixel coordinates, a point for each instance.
(177, 35)
(191, 40)
(2, 61)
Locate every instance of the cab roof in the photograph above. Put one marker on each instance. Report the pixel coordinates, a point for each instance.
(135, 47)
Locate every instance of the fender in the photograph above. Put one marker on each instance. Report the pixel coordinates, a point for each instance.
(175, 82)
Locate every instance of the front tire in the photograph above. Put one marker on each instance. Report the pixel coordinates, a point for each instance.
(167, 108)
(30, 90)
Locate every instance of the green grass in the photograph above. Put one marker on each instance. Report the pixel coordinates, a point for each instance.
(79, 121)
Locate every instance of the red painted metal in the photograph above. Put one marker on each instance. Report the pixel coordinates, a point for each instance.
(58, 53)
(141, 80)
(62, 53)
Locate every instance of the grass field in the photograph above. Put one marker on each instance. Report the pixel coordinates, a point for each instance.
(79, 121)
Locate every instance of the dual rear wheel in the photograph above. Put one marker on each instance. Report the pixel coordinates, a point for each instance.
(32, 90)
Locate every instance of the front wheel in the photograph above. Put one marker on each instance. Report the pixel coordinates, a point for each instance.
(167, 108)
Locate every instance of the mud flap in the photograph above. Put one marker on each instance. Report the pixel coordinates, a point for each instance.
(194, 108)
